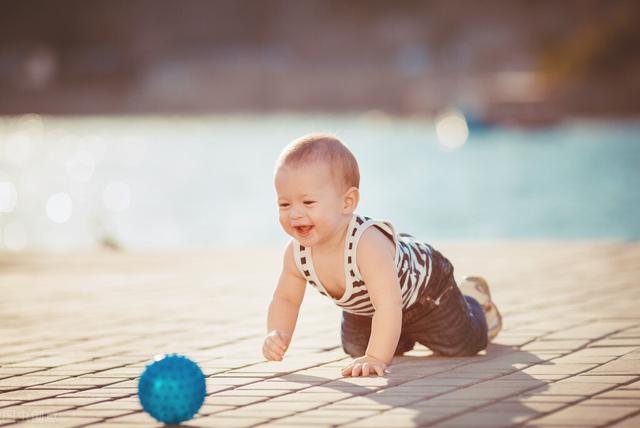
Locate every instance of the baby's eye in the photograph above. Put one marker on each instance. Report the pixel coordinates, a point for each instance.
(284, 205)
(309, 202)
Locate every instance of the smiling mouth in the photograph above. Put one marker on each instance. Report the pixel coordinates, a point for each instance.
(303, 230)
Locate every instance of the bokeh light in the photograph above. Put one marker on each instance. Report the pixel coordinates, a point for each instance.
(59, 207)
(17, 148)
(81, 165)
(19, 141)
(14, 236)
(8, 196)
(116, 196)
(452, 129)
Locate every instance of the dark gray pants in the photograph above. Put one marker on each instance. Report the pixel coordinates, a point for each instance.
(454, 327)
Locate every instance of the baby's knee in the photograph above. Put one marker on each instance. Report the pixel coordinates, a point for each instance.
(354, 334)
(405, 344)
(468, 350)
(355, 350)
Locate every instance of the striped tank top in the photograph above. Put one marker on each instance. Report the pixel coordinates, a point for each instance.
(412, 261)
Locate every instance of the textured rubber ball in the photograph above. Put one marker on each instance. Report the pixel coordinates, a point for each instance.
(172, 388)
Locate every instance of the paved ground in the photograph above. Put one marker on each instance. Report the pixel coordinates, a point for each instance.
(77, 329)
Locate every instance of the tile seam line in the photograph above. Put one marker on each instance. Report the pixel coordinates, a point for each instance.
(622, 419)
(568, 405)
(576, 374)
(462, 364)
(501, 375)
(563, 379)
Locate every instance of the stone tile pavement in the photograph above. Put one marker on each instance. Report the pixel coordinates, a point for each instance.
(77, 329)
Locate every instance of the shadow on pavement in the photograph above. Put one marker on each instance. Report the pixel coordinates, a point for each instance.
(469, 391)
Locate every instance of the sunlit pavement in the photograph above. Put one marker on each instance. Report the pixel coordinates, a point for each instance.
(77, 329)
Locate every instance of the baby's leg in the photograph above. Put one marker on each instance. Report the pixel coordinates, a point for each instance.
(355, 332)
(455, 327)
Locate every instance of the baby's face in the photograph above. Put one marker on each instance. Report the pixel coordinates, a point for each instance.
(309, 203)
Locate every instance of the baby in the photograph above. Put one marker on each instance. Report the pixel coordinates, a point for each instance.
(393, 290)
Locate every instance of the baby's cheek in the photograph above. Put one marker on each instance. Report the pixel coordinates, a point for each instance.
(285, 227)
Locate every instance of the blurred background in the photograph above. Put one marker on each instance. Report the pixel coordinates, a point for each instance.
(155, 124)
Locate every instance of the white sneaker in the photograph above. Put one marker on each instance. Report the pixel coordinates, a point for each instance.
(477, 287)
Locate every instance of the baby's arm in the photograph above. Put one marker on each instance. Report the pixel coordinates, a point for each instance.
(284, 308)
(375, 258)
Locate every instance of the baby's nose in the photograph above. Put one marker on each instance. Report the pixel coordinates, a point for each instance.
(295, 213)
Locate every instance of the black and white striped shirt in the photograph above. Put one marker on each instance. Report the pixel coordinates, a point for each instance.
(412, 261)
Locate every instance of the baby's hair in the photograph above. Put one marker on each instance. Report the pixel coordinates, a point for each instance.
(323, 148)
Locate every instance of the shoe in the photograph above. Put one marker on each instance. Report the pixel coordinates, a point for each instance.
(477, 287)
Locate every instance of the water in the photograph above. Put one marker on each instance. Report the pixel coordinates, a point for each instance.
(207, 180)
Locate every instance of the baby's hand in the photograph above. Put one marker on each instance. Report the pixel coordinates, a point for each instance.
(275, 345)
(364, 366)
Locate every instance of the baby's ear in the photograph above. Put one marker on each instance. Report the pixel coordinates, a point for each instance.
(351, 199)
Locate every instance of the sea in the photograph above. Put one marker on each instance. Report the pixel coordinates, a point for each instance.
(202, 181)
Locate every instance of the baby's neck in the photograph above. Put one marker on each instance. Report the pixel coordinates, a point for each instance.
(336, 243)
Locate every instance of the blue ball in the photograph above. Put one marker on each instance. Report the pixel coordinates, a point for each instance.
(172, 388)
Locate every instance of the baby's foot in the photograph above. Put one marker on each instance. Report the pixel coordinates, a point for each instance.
(477, 287)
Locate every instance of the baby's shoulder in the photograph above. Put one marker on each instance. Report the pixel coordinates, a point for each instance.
(288, 259)
(288, 249)
(373, 240)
